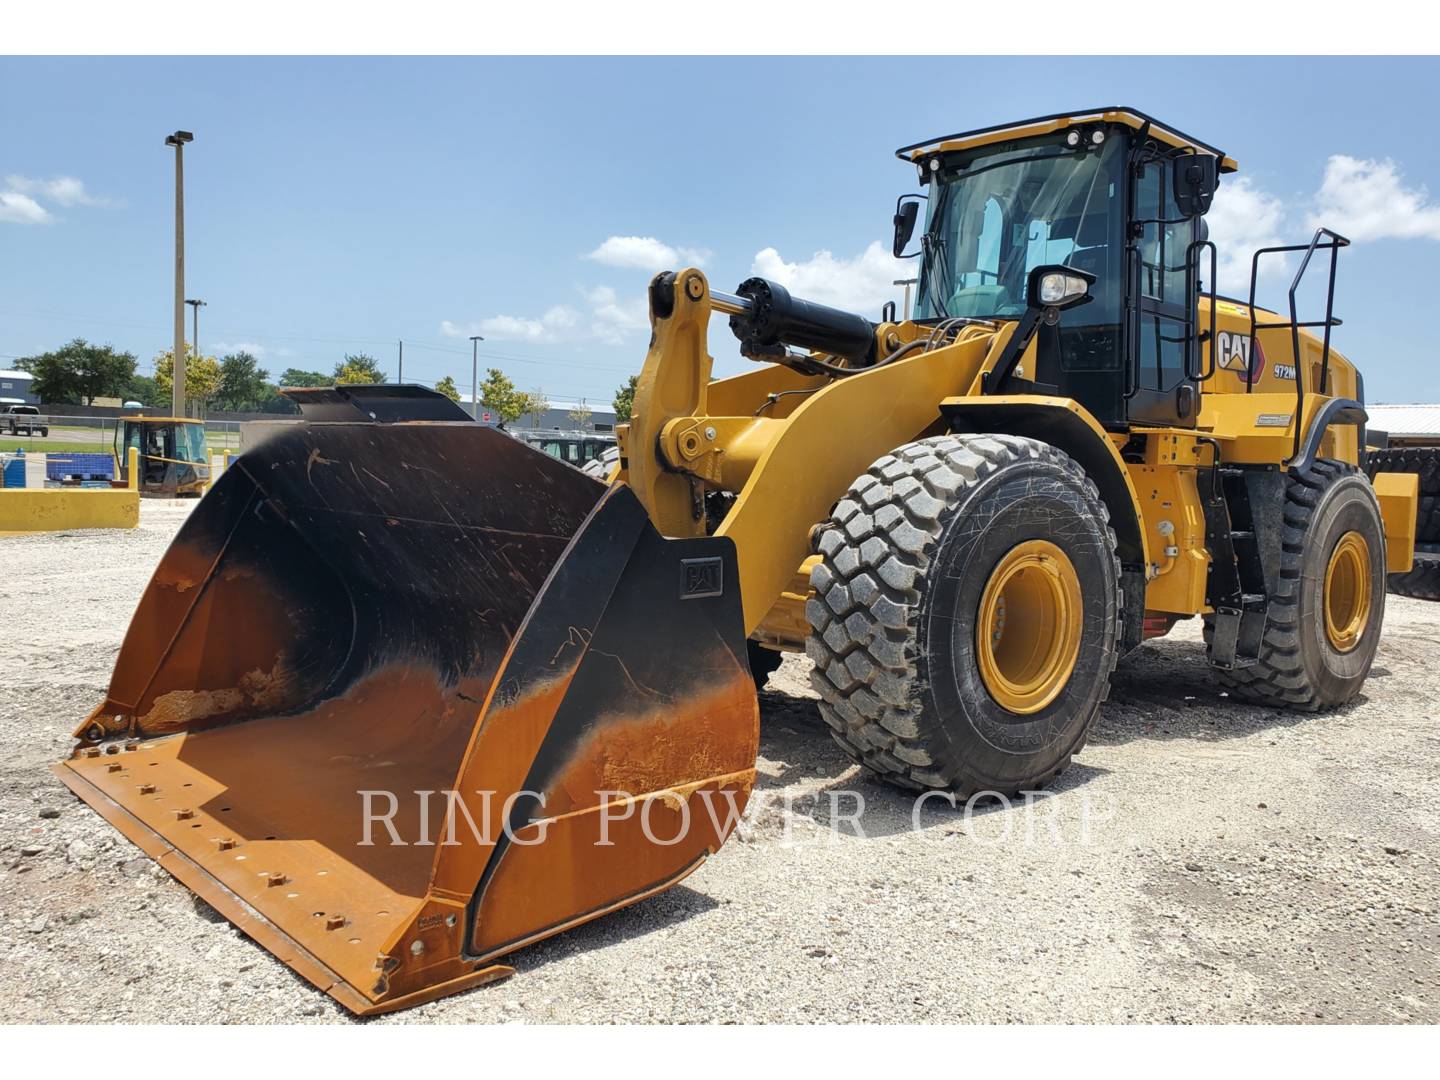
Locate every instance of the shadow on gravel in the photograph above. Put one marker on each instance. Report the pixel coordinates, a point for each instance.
(1162, 691)
(1166, 690)
(669, 908)
(796, 748)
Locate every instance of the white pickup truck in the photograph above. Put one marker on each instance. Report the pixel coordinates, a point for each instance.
(24, 420)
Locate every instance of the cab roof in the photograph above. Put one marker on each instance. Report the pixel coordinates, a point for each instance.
(137, 419)
(1044, 125)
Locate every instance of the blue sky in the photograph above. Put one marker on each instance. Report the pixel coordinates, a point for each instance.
(342, 205)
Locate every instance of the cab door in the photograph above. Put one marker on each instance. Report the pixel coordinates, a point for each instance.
(1162, 331)
(128, 436)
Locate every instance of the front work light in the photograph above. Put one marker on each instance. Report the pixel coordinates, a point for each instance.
(1061, 289)
(1054, 288)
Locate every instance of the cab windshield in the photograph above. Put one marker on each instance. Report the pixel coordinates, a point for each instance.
(997, 212)
(190, 442)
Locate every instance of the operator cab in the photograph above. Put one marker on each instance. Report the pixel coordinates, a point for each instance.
(172, 454)
(1103, 209)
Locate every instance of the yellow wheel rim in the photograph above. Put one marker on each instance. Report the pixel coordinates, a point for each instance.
(1347, 592)
(1027, 635)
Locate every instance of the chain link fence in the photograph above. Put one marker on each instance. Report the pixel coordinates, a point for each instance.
(96, 434)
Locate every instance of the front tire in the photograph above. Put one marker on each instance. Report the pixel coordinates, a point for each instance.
(966, 614)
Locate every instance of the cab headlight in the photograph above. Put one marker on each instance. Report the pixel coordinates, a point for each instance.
(1060, 289)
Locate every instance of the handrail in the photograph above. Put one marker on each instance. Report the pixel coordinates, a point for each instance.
(1192, 271)
(1333, 245)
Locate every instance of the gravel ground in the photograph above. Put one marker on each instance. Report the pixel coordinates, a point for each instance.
(1203, 860)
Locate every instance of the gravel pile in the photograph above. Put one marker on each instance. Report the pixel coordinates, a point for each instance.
(1203, 860)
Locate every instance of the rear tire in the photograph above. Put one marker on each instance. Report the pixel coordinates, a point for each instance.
(910, 562)
(1306, 663)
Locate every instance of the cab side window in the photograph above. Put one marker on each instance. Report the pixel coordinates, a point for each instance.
(1164, 250)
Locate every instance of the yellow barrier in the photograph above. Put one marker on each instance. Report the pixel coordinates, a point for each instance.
(27, 510)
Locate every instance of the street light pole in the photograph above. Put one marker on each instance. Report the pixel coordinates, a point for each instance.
(177, 396)
(400, 375)
(195, 306)
(475, 340)
(907, 282)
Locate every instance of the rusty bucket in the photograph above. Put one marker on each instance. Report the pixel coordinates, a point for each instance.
(405, 695)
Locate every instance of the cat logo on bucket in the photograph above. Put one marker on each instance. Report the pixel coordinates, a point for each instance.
(1233, 351)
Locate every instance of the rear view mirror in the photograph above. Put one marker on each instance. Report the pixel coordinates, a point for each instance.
(907, 212)
(1196, 176)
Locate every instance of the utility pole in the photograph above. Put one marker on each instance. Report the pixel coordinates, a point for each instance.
(400, 376)
(475, 340)
(907, 282)
(195, 306)
(177, 396)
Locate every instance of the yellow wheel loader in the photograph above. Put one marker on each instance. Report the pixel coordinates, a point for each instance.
(172, 455)
(406, 695)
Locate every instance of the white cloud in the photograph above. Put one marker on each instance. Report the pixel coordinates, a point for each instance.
(861, 284)
(646, 253)
(606, 318)
(61, 190)
(555, 326)
(1361, 199)
(613, 320)
(1368, 200)
(1244, 217)
(225, 348)
(20, 198)
(22, 209)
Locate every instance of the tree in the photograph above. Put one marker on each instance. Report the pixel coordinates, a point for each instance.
(297, 377)
(536, 405)
(625, 400)
(580, 416)
(498, 394)
(358, 368)
(142, 389)
(447, 387)
(79, 370)
(244, 384)
(202, 377)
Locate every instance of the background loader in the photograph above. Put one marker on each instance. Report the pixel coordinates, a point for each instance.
(173, 458)
(964, 518)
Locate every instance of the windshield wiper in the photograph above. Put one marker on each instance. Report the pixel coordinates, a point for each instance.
(933, 242)
(936, 268)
